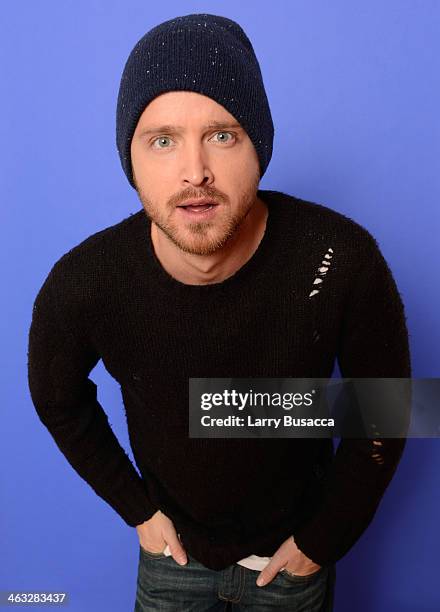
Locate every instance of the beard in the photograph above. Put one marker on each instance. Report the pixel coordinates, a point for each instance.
(201, 237)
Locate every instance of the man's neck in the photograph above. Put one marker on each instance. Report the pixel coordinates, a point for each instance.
(206, 269)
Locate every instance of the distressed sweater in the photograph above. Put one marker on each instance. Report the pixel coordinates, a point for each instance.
(109, 298)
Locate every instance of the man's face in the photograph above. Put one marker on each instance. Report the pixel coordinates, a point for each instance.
(186, 146)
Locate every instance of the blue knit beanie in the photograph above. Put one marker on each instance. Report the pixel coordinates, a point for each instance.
(207, 54)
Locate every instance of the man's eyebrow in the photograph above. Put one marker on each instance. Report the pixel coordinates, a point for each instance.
(178, 128)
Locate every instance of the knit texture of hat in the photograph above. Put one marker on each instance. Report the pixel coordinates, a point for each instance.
(207, 54)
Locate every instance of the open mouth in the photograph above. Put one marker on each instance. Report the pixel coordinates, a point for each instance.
(198, 207)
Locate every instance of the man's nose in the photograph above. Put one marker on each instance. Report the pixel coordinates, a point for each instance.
(196, 169)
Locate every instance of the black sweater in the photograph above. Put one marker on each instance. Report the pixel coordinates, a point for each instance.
(109, 298)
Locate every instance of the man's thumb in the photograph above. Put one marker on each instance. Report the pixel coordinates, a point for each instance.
(176, 549)
(267, 574)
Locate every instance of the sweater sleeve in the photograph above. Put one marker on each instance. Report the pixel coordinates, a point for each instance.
(60, 359)
(373, 344)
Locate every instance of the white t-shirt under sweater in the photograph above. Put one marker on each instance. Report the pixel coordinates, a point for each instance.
(252, 562)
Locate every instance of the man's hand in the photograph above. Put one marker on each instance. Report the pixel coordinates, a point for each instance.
(157, 532)
(288, 557)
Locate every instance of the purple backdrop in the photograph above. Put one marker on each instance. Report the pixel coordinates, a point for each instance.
(354, 93)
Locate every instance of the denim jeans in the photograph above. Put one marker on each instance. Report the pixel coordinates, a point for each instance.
(163, 584)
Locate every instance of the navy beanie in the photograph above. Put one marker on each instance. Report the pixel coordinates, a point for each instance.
(207, 54)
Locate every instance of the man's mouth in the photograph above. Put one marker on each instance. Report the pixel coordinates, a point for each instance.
(198, 206)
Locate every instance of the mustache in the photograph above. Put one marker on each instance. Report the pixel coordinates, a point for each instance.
(211, 194)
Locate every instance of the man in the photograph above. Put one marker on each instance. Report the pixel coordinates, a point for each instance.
(214, 277)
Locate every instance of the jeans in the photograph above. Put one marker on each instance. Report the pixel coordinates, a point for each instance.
(163, 584)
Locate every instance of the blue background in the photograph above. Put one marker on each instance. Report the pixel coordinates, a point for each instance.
(354, 93)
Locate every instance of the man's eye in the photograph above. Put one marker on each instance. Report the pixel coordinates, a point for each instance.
(222, 136)
(162, 140)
